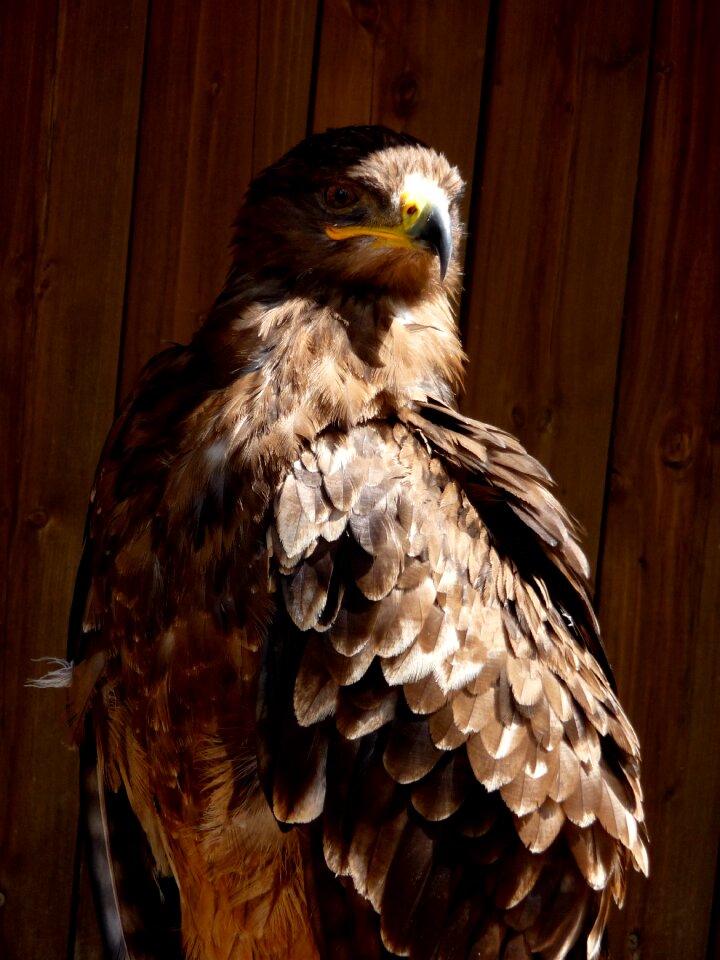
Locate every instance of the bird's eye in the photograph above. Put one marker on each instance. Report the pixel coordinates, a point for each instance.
(340, 196)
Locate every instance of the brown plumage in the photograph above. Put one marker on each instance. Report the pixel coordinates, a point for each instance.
(337, 657)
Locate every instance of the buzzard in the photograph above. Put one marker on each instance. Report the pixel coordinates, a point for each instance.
(336, 676)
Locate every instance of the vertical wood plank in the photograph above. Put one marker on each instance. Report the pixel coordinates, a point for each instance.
(194, 160)
(285, 53)
(26, 73)
(345, 68)
(220, 99)
(551, 234)
(411, 66)
(660, 574)
(75, 71)
(26, 102)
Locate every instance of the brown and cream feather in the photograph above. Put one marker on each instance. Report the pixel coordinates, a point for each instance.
(338, 651)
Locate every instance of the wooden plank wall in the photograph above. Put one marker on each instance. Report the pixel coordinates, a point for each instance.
(660, 577)
(67, 195)
(590, 138)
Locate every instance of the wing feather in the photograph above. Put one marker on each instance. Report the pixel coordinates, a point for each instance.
(468, 685)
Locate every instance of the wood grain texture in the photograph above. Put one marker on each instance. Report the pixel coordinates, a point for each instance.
(194, 161)
(660, 577)
(551, 233)
(227, 88)
(27, 64)
(74, 73)
(220, 99)
(382, 61)
(285, 52)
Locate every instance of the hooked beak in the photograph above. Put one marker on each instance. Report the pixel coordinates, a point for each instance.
(425, 224)
(433, 229)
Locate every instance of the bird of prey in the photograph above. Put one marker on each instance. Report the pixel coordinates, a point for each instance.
(336, 674)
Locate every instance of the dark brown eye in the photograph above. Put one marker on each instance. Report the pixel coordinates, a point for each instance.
(339, 196)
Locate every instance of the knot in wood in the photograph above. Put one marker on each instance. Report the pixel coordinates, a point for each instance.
(676, 444)
(405, 94)
(217, 82)
(518, 416)
(544, 419)
(38, 518)
(367, 13)
(633, 945)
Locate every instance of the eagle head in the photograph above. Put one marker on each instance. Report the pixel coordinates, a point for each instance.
(353, 211)
(345, 268)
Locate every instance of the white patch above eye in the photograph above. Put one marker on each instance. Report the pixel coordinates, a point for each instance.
(424, 190)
